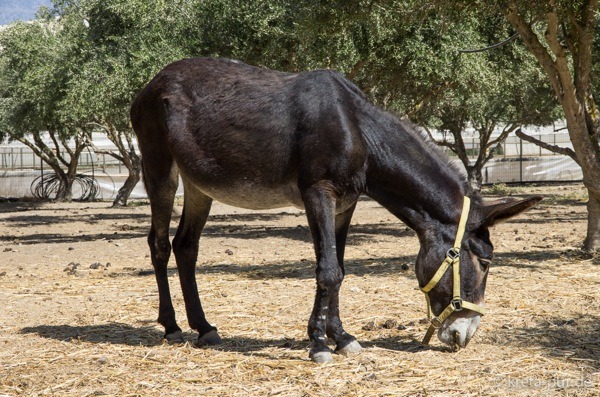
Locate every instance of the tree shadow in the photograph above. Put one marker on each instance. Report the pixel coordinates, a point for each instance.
(545, 219)
(73, 216)
(53, 238)
(358, 233)
(381, 266)
(236, 226)
(525, 260)
(16, 205)
(304, 269)
(252, 217)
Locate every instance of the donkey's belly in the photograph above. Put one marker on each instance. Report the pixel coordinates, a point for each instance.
(254, 196)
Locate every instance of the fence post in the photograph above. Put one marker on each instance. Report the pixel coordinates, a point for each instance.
(42, 168)
(520, 160)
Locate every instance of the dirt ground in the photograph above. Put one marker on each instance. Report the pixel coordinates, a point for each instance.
(79, 303)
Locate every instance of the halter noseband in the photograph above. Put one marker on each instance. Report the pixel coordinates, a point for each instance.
(452, 259)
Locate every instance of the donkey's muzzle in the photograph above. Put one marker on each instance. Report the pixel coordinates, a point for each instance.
(459, 328)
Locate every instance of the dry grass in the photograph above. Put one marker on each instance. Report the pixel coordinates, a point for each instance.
(89, 330)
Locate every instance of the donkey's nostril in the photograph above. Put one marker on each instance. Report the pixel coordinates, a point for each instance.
(456, 337)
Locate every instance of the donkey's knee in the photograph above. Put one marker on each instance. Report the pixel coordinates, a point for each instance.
(185, 248)
(160, 249)
(330, 278)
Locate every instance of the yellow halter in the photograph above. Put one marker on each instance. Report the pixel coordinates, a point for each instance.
(452, 259)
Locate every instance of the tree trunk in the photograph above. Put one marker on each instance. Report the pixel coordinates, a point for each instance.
(132, 179)
(475, 177)
(590, 167)
(127, 155)
(65, 188)
(592, 241)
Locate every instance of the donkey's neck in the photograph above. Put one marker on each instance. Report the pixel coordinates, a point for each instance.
(411, 177)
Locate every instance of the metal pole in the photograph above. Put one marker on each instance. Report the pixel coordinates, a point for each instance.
(42, 168)
(521, 159)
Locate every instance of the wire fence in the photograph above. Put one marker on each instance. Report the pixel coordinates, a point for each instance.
(518, 161)
(22, 173)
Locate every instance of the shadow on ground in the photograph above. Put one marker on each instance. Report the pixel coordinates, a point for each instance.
(381, 266)
(236, 226)
(303, 269)
(113, 333)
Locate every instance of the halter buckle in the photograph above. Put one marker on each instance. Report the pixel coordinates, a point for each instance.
(456, 304)
(453, 254)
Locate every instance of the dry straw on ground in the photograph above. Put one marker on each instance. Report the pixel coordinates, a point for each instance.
(79, 304)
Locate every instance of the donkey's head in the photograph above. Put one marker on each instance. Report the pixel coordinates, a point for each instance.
(452, 267)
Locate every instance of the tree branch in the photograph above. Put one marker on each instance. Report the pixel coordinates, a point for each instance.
(553, 148)
(562, 64)
(57, 148)
(533, 45)
(503, 135)
(355, 69)
(42, 150)
(443, 143)
(108, 152)
(494, 144)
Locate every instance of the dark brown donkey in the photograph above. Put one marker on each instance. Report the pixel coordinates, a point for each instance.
(258, 138)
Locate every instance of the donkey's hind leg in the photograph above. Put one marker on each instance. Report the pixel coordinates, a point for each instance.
(161, 180)
(196, 208)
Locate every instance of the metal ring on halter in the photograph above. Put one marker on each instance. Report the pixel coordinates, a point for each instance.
(456, 304)
(453, 254)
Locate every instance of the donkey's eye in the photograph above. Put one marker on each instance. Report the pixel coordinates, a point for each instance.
(485, 263)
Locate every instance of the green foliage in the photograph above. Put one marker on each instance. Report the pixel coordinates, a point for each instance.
(403, 53)
(33, 78)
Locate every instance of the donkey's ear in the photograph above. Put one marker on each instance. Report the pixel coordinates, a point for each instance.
(500, 210)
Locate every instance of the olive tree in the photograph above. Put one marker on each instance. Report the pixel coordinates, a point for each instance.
(123, 44)
(34, 110)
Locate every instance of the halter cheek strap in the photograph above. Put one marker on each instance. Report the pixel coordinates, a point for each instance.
(452, 259)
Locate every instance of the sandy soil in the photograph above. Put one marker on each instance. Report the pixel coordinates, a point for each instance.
(79, 303)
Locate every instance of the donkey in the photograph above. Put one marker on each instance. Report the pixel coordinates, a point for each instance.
(257, 138)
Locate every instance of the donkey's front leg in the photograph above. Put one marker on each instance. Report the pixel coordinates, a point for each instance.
(320, 212)
(345, 343)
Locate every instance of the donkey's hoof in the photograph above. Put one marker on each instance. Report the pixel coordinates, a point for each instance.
(352, 347)
(211, 338)
(321, 357)
(174, 337)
